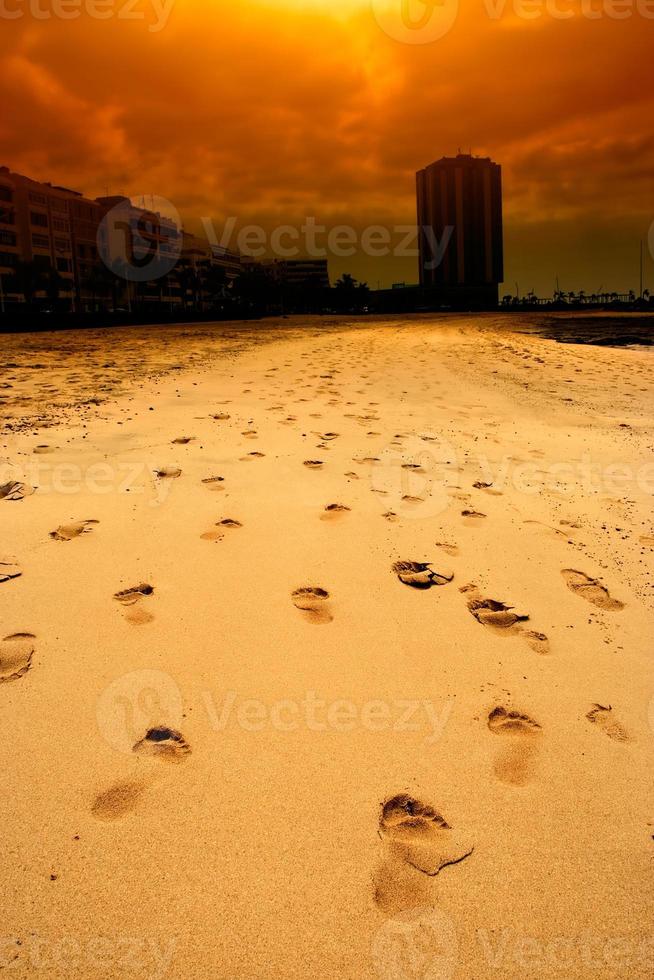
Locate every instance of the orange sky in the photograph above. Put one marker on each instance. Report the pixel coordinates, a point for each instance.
(277, 110)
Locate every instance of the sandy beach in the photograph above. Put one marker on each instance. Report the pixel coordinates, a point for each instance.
(325, 651)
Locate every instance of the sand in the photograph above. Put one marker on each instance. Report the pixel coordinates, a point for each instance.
(328, 653)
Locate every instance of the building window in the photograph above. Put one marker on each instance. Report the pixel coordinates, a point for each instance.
(8, 259)
(63, 265)
(60, 225)
(7, 216)
(37, 198)
(62, 244)
(7, 238)
(40, 241)
(39, 220)
(6, 193)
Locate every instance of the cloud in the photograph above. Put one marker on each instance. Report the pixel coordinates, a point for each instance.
(274, 111)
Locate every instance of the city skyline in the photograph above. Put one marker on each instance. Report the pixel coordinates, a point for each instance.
(398, 255)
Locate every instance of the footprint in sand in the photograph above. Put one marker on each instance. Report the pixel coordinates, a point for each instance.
(590, 589)
(218, 532)
(130, 597)
(312, 601)
(491, 612)
(496, 614)
(15, 490)
(420, 575)
(163, 743)
(391, 516)
(220, 417)
(514, 765)
(214, 482)
(183, 440)
(117, 801)
(8, 570)
(313, 464)
(333, 512)
(66, 532)
(472, 517)
(448, 547)
(16, 651)
(603, 718)
(417, 842)
(43, 449)
(487, 488)
(168, 473)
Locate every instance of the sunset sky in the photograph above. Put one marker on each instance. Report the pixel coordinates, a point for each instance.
(274, 111)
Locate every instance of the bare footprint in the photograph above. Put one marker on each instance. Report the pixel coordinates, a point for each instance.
(538, 642)
(514, 765)
(8, 570)
(168, 472)
(214, 482)
(491, 612)
(16, 651)
(334, 512)
(419, 575)
(66, 532)
(603, 718)
(590, 589)
(163, 743)
(117, 801)
(418, 843)
(129, 597)
(15, 490)
(217, 533)
(472, 517)
(312, 601)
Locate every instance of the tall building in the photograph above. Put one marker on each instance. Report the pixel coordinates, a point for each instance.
(36, 247)
(460, 231)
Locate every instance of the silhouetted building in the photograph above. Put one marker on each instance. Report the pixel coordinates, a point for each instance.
(460, 232)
